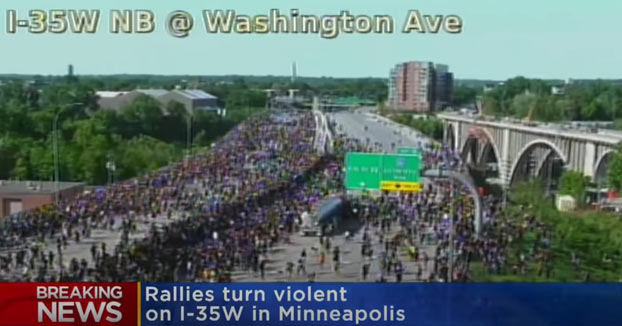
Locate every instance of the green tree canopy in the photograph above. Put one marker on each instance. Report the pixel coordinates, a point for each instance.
(574, 183)
(614, 174)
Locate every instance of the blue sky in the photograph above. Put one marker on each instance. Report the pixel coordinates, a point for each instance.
(501, 39)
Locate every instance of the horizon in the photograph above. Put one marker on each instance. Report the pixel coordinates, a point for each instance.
(280, 76)
(499, 40)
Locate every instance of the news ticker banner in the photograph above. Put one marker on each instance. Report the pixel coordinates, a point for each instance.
(285, 304)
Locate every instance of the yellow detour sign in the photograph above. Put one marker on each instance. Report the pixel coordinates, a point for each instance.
(401, 186)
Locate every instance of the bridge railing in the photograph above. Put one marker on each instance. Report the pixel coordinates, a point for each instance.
(323, 136)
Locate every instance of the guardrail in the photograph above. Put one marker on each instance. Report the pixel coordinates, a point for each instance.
(323, 137)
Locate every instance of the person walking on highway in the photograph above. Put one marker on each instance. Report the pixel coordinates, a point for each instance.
(365, 271)
(262, 267)
(301, 266)
(336, 257)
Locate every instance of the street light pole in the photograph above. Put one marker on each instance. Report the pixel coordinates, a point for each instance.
(111, 167)
(56, 159)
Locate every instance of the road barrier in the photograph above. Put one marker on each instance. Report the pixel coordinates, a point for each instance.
(323, 136)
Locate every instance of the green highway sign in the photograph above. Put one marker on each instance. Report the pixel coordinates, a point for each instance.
(363, 171)
(401, 168)
(392, 172)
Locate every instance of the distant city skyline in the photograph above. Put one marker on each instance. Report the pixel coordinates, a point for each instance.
(287, 75)
(553, 39)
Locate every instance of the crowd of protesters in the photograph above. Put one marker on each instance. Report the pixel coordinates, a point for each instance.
(220, 198)
(398, 230)
(247, 194)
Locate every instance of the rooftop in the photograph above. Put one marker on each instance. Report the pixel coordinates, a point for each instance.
(153, 92)
(12, 187)
(109, 94)
(195, 94)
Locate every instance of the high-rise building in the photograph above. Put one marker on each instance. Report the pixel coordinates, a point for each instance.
(294, 72)
(444, 86)
(70, 71)
(420, 86)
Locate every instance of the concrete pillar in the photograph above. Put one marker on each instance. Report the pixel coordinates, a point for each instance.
(456, 135)
(589, 168)
(505, 165)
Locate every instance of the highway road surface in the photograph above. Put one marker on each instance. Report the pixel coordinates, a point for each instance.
(363, 125)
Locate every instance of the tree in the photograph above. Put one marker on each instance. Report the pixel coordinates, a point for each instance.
(13, 91)
(593, 111)
(10, 151)
(42, 123)
(431, 127)
(143, 116)
(174, 125)
(42, 161)
(22, 169)
(93, 160)
(464, 95)
(16, 119)
(243, 98)
(143, 154)
(59, 96)
(614, 175)
(527, 193)
(574, 183)
(491, 105)
(524, 104)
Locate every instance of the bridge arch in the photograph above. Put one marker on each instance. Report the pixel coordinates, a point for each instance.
(488, 154)
(549, 154)
(479, 144)
(470, 150)
(538, 158)
(602, 166)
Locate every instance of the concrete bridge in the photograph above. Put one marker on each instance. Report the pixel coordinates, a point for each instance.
(515, 151)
